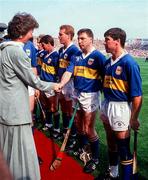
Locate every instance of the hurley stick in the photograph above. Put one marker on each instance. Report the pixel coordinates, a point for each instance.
(57, 162)
(135, 168)
(40, 105)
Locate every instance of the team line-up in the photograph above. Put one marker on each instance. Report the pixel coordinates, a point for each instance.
(73, 76)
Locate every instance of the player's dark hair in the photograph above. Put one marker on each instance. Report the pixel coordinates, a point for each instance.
(47, 39)
(116, 33)
(21, 24)
(68, 30)
(87, 31)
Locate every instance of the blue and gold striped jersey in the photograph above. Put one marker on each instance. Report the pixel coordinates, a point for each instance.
(87, 71)
(49, 67)
(40, 56)
(65, 58)
(122, 80)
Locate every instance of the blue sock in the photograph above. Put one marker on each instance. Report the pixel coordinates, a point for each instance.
(65, 122)
(83, 140)
(95, 149)
(48, 118)
(126, 170)
(56, 120)
(113, 158)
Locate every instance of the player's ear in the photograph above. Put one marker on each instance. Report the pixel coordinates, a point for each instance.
(118, 41)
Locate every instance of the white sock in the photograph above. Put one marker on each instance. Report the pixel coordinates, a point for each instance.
(114, 172)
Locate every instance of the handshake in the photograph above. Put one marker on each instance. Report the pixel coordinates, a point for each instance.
(57, 87)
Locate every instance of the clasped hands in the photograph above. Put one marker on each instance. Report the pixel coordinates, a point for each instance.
(58, 87)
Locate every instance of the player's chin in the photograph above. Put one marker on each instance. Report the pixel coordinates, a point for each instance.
(81, 47)
(107, 50)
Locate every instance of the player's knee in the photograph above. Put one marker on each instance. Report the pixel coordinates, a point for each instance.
(124, 149)
(53, 109)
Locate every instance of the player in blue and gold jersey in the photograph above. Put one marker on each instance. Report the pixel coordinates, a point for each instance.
(87, 70)
(123, 98)
(49, 73)
(66, 52)
(40, 53)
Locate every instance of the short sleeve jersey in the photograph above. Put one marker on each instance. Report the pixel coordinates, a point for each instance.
(87, 71)
(122, 80)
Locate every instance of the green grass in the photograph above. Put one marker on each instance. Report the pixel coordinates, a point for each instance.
(142, 135)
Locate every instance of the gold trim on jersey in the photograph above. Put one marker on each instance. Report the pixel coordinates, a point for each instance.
(86, 72)
(116, 84)
(63, 63)
(48, 69)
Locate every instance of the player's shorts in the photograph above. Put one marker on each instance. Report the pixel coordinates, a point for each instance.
(117, 114)
(89, 102)
(68, 90)
(31, 91)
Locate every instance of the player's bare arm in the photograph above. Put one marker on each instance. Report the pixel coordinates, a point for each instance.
(136, 106)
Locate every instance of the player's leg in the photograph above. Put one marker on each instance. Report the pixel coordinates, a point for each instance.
(113, 156)
(82, 139)
(67, 110)
(126, 160)
(112, 171)
(53, 107)
(48, 124)
(89, 126)
(119, 117)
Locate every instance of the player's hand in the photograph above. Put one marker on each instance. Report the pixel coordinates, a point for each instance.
(58, 87)
(135, 124)
(37, 93)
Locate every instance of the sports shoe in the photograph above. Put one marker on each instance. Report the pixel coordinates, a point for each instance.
(70, 146)
(90, 166)
(57, 135)
(77, 152)
(107, 176)
(72, 142)
(85, 157)
(47, 127)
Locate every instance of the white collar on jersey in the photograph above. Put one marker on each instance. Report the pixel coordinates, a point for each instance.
(85, 55)
(50, 53)
(114, 61)
(67, 47)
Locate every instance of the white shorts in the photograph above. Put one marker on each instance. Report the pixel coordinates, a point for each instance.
(117, 114)
(68, 90)
(89, 102)
(31, 91)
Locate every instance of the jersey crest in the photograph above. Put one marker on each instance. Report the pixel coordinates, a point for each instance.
(90, 61)
(28, 52)
(118, 70)
(49, 60)
(65, 56)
